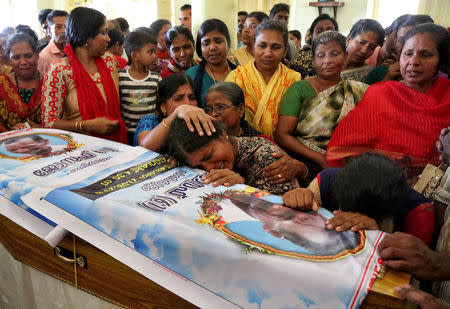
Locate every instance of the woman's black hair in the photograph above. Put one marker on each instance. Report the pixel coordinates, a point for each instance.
(414, 20)
(364, 25)
(136, 40)
(148, 30)
(42, 17)
(371, 184)
(167, 87)
(208, 26)
(17, 38)
(181, 142)
(396, 24)
(260, 16)
(27, 30)
(439, 35)
(115, 36)
(83, 24)
(231, 91)
(320, 18)
(273, 25)
(296, 33)
(124, 26)
(158, 24)
(327, 37)
(175, 31)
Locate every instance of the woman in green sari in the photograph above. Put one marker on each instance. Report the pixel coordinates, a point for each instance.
(312, 108)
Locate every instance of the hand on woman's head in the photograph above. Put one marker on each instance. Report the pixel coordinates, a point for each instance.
(196, 119)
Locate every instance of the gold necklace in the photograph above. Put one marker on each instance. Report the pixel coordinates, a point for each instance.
(210, 72)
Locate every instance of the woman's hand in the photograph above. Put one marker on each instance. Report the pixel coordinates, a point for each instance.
(100, 125)
(19, 126)
(224, 177)
(345, 220)
(196, 119)
(34, 124)
(300, 198)
(393, 72)
(284, 169)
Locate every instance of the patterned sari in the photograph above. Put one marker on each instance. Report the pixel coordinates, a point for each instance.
(12, 109)
(320, 115)
(262, 101)
(397, 121)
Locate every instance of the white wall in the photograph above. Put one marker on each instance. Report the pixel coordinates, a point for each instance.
(303, 15)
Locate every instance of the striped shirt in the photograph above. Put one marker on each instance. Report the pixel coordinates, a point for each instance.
(137, 97)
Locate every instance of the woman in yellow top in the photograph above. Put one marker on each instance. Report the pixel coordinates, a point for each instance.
(244, 54)
(265, 80)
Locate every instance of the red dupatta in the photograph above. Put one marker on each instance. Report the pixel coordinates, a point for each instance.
(90, 100)
(394, 120)
(10, 93)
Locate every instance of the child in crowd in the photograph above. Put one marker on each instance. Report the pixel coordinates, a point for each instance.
(115, 46)
(367, 193)
(137, 84)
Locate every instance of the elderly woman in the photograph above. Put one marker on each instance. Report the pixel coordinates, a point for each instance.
(226, 103)
(302, 62)
(20, 90)
(362, 40)
(265, 80)
(180, 43)
(401, 119)
(245, 54)
(212, 45)
(176, 99)
(312, 108)
(80, 91)
(227, 159)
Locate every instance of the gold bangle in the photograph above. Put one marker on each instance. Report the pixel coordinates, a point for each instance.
(81, 125)
(76, 125)
(165, 124)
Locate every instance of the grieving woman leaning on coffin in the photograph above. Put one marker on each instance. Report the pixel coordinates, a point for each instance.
(312, 108)
(228, 160)
(225, 102)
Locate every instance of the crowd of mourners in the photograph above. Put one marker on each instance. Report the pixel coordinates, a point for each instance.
(344, 123)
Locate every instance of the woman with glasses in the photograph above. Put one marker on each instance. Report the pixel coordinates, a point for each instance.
(226, 103)
(246, 53)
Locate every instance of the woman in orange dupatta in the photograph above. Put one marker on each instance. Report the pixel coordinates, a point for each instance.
(20, 90)
(80, 91)
(265, 80)
(401, 119)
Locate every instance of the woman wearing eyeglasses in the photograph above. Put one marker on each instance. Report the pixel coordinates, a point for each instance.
(225, 102)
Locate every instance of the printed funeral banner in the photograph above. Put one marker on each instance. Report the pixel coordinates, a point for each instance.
(40, 157)
(216, 247)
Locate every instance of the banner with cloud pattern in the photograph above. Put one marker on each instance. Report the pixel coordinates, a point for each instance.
(216, 247)
(39, 157)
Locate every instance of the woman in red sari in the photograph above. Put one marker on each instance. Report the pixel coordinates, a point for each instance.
(79, 92)
(20, 90)
(403, 119)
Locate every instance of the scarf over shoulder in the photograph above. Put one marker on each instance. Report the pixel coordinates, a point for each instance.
(262, 101)
(394, 120)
